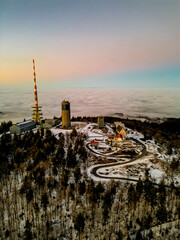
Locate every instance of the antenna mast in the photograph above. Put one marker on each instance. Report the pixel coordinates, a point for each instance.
(35, 88)
(37, 115)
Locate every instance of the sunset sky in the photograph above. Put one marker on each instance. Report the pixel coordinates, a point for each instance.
(90, 43)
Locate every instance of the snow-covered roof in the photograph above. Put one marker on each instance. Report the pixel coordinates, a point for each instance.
(25, 124)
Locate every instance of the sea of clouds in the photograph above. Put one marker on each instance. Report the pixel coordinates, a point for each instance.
(16, 105)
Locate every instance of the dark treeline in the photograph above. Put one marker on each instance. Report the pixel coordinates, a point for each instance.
(4, 127)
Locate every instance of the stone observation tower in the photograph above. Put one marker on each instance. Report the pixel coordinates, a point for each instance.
(66, 115)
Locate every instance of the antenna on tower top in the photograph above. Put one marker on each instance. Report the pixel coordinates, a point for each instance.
(37, 115)
(35, 87)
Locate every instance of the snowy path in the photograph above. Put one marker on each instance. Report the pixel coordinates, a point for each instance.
(94, 170)
(108, 155)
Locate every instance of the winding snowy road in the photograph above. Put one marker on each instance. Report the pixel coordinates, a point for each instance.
(94, 170)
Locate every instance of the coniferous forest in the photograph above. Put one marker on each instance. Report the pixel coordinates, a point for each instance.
(47, 194)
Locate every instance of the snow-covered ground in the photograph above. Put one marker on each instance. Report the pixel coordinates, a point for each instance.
(57, 131)
(134, 170)
(134, 134)
(156, 161)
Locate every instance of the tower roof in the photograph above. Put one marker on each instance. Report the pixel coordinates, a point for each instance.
(65, 102)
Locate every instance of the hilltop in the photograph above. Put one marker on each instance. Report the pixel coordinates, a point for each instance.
(56, 184)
